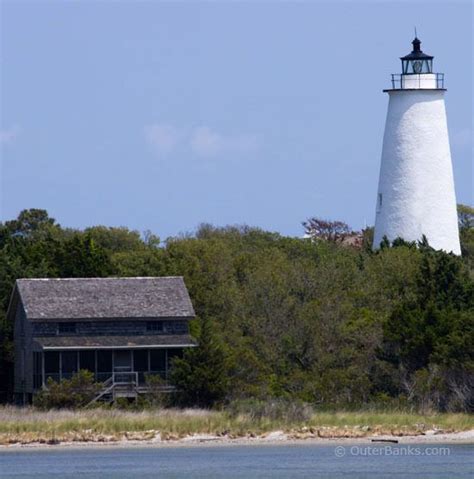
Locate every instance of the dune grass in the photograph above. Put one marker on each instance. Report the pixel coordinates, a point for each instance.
(26, 425)
(455, 421)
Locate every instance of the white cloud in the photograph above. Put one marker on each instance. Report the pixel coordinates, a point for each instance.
(202, 140)
(207, 142)
(9, 135)
(163, 138)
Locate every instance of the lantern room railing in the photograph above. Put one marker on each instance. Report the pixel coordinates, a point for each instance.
(411, 81)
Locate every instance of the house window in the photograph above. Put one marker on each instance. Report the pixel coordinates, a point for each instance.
(66, 328)
(156, 326)
(379, 203)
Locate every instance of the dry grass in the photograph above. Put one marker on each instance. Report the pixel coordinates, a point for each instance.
(26, 425)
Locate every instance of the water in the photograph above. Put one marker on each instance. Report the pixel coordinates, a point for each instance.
(262, 461)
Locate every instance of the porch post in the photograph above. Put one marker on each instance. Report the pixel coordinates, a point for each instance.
(42, 370)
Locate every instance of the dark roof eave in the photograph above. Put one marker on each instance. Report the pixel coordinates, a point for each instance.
(144, 346)
(114, 342)
(417, 56)
(104, 318)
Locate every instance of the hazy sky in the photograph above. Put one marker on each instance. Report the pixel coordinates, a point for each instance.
(161, 115)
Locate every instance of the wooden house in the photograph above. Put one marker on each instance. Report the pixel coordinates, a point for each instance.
(121, 329)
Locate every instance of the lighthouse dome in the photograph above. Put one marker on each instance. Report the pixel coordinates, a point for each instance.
(417, 72)
(417, 62)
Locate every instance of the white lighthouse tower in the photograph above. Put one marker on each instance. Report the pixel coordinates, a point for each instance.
(416, 188)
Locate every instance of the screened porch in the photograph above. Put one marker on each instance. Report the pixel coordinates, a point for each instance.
(103, 363)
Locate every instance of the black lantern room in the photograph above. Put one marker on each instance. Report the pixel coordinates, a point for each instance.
(417, 62)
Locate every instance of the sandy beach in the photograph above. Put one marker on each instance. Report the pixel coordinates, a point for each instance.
(272, 438)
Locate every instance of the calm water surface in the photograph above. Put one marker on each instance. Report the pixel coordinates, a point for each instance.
(281, 461)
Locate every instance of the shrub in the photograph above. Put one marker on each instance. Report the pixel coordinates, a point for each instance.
(156, 397)
(68, 393)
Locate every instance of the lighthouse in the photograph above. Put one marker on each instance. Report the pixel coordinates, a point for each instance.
(416, 194)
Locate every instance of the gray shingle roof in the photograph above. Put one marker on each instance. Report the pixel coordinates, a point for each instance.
(107, 298)
(115, 341)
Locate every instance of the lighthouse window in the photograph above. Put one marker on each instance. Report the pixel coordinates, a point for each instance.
(417, 66)
(380, 200)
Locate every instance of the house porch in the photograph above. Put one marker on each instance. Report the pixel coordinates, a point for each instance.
(116, 364)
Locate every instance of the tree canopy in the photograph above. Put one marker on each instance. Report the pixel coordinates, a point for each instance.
(318, 321)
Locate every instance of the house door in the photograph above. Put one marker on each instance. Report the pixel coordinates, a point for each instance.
(122, 361)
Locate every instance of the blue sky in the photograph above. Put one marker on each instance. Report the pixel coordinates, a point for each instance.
(161, 116)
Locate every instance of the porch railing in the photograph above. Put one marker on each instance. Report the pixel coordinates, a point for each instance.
(125, 378)
(420, 81)
(119, 384)
(102, 377)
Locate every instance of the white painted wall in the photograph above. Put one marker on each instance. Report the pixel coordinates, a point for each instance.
(423, 80)
(416, 185)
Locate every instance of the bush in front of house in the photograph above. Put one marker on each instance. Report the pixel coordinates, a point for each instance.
(157, 396)
(78, 391)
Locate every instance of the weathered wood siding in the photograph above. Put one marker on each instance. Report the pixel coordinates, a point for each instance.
(111, 328)
(107, 313)
(23, 337)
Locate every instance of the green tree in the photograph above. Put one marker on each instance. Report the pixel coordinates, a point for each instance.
(466, 230)
(201, 376)
(81, 257)
(292, 318)
(465, 217)
(30, 223)
(115, 239)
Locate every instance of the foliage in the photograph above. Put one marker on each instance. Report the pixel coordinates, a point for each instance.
(282, 319)
(201, 375)
(466, 231)
(81, 257)
(31, 223)
(157, 397)
(466, 217)
(68, 393)
(317, 228)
